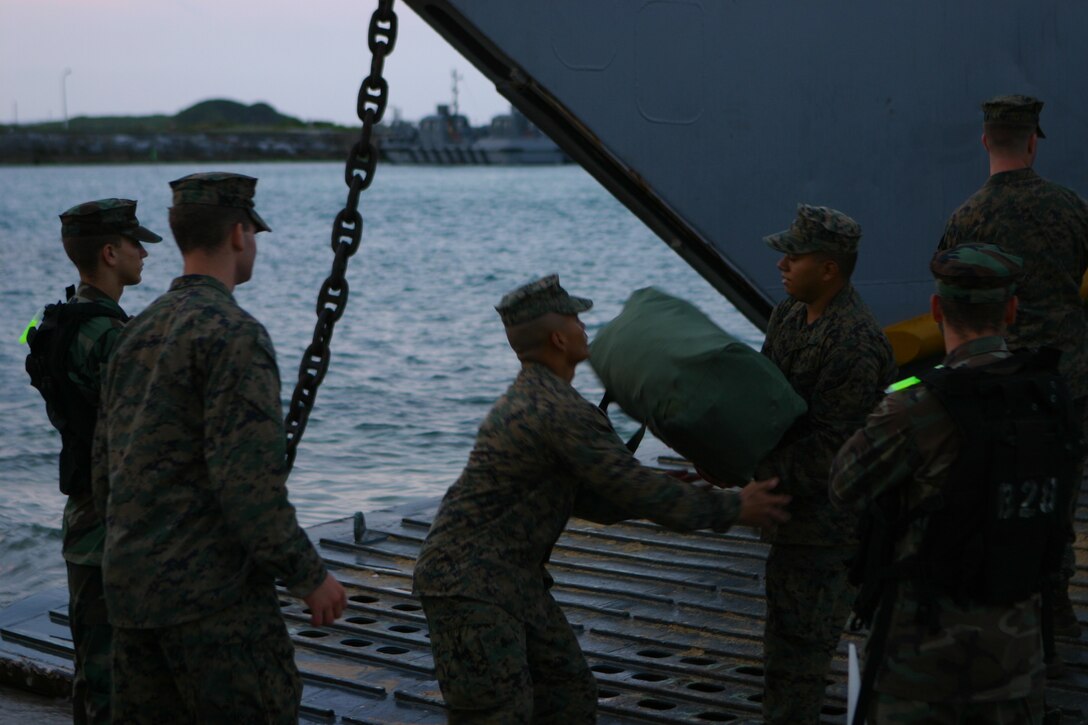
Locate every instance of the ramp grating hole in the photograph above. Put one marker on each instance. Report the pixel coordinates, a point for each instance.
(654, 653)
(355, 643)
(403, 628)
(649, 677)
(312, 633)
(656, 704)
(407, 607)
(606, 694)
(390, 650)
(705, 687)
(606, 669)
(362, 598)
(750, 670)
(701, 661)
(360, 620)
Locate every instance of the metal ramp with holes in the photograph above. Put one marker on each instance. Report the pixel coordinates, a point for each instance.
(670, 623)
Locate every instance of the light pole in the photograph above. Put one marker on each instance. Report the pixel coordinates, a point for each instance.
(64, 94)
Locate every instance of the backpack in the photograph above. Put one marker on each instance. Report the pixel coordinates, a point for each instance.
(996, 531)
(68, 409)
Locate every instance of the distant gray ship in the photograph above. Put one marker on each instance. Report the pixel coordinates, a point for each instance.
(446, 138)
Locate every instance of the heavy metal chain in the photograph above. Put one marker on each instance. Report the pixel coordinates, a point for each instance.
(347, 229)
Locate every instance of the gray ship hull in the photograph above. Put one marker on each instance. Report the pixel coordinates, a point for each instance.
(711, 120)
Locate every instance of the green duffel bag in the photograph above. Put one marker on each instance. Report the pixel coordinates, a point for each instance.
(704, 393)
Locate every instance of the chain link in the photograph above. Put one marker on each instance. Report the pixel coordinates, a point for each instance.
(347, 229)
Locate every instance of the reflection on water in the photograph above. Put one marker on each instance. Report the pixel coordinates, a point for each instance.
(418, 357)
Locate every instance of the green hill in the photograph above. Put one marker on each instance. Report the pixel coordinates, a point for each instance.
(212, 115)
(224, 114)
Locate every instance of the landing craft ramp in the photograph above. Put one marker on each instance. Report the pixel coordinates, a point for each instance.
(670, 623)
(711, 119)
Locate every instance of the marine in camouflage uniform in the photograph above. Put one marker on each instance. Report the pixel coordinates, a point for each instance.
(504, 652)
(828, 345)
(984, 663)
(103, 239)
(190, 472)
(1047, 225)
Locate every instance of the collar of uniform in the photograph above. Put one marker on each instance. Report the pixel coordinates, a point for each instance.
(1012, 177)
(199, 280)
(88, 292)
(844, 300)
(542, 372)
(979, 346)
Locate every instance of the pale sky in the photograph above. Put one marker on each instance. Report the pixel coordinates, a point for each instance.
(304, 57)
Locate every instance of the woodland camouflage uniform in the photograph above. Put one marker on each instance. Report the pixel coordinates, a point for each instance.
(83, 531)
(503, 650)
(984, 663)
(1047, 225)
(190, 471)
(839, 365)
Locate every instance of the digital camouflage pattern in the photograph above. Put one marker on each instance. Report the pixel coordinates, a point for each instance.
(808, 604)
(980, 653)
(817, 229)
(219, 188)
(538, 298)
(233, 666)
(1047, 226)
(839, 365)
(543, 454)
(1014, 110)
(487, 676)
(104, 217)
(189, 464)
(976, 273)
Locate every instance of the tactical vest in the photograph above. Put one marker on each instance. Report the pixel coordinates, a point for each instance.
(68, 409)
(995, 532)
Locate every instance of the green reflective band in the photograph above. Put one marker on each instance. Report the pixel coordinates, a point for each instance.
(30, 326)
(902, 385)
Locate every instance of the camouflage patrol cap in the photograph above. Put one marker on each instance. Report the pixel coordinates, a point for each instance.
(976, 273)
(537, 298)
(105, 216)
(218, 188)
(1014, 110)
(817, 229)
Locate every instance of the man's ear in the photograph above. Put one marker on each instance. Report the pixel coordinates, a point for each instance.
(558, 340)
(831, 269)
(935, 309)
(107, 256)
(238, 237)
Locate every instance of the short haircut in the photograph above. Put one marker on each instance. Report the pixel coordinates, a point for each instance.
(1004, 138)
(530, 338)
(205, 226)
(973, 316)
(846, 261)
(85, 252)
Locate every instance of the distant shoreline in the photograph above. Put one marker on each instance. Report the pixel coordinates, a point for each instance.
(36, 147)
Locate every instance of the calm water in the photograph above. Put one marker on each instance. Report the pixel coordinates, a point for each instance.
(418, 357)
